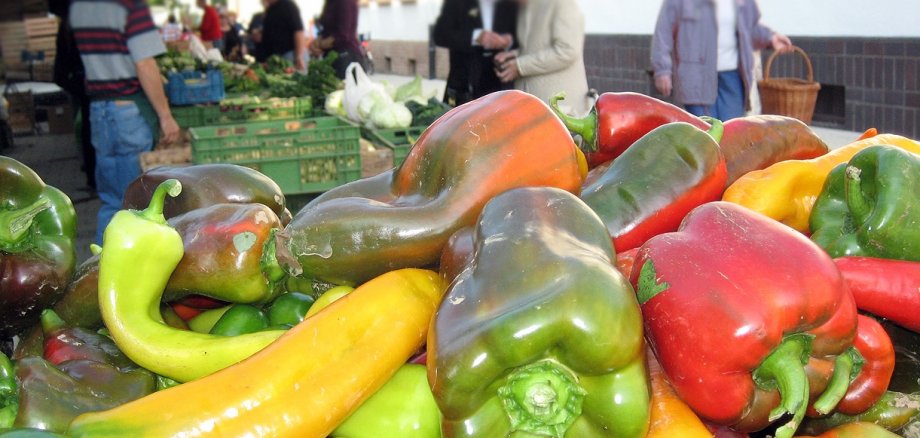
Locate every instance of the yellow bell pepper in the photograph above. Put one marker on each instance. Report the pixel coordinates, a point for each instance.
(302, 385)
(670, 416)
(786, 191)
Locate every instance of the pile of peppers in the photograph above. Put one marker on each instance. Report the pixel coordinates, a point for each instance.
(639, 272)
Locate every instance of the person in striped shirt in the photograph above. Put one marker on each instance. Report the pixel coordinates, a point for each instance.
(118, 41)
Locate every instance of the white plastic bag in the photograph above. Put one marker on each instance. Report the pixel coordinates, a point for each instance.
(357, 85)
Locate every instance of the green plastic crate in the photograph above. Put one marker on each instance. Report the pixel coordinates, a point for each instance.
(302, 156)
(399, 140)
(229, 112)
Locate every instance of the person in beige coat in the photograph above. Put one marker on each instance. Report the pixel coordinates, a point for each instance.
(551, 57)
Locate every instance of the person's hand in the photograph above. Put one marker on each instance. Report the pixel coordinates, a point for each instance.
(781, 43)
(170, 129)
(314, 48)
(504, 57)
(508, 71)
(299, 63)
(663, 84)
(492, 41)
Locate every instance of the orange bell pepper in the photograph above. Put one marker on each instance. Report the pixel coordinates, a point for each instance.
(302, 385)
(670, 416)
(786, 191)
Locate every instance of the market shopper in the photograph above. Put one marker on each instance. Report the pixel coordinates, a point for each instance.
(703, 52)
(209, 29)
(551, 57)
(282, 33)
(118, 42)
(474, 31)
(339, 32)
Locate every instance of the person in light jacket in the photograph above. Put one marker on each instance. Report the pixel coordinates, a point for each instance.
(551, 36)
(703, 51)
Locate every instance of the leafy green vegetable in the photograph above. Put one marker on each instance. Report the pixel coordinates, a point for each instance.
(424, 115)
(407, 91)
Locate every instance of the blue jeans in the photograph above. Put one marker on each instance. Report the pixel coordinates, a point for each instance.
(729, 102)
(120, 134)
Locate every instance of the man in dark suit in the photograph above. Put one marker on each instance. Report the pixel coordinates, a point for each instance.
(474, 31)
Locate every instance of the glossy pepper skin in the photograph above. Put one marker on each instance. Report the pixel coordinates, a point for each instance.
(207, 185)
(884, 287)
(786, 191)
(618, 120)
(81, 371)
(869, 206)
(877, 351)
(670, 416)
(226, 247)
(739, 310)
(141, 245)
(857, 430)
(555, 349)
(9, 392)
(279, 393)
(404, 407)
(37, 231)
(757, 142)
(649, 189)
(893, 411)
(405, 217)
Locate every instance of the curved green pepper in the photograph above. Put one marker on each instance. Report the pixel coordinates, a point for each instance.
(868, 207)
(404, 407)
(37, 231)
(240, 319)
(140, 245)
(290, 309)
(9, 392)
(540, 334)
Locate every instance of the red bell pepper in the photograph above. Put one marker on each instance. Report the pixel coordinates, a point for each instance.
(887, 288)
(739, 309)
(625, 261)
(620, 119)
(875, 347)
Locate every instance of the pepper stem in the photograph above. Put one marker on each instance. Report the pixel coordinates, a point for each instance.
(271, 269)
(857, 203)
(846, 367)
(15, 224)
(154, 211)
(716, 128)
(9, 393)
(784, 370)
(586, 127)
(542, 399)
(51, 322)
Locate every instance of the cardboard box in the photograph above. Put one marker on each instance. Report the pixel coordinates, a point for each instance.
(60, 119)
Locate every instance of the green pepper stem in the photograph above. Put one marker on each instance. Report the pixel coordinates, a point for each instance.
(270, 266)
(51, 322)
(846, 368)
(15, 224)
(784, 370)
(542, 399)
(95, 249)
(857, 203)
(716, 128)
(9, 393)
(586, 127)
(154, 211)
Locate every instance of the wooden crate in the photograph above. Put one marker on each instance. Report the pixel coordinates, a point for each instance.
(181, 156)
(41, 27)
(13, 40)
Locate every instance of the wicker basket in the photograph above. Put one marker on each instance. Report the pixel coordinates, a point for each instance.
(791, 97)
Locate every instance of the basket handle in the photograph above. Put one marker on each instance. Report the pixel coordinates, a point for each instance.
(796, 49)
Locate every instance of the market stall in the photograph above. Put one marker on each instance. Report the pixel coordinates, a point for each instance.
(515, 272)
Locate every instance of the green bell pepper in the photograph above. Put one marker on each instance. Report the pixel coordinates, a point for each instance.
(290, 309)
(404, 407)
(868, 207)
(9, 392)
(37, 231)
(540, 334)
(240, 319)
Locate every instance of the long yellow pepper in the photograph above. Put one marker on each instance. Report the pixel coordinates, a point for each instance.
(302, 385)
(786, 191)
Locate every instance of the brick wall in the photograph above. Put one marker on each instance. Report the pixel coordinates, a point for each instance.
(878, 78)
